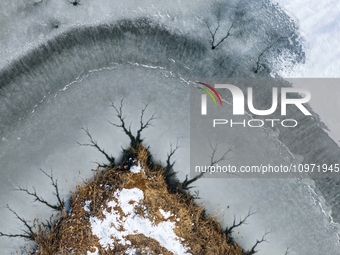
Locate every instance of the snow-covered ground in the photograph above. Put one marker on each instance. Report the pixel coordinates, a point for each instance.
(119, 226)
(132, 223)
(319, 25)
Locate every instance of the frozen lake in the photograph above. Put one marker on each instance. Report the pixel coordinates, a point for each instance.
(64, 70)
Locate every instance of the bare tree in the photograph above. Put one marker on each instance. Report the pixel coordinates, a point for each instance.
(287, 251)
(94, 144)
(186, 182)
(266, 49)
(213, 33)
(168, 169)
(49, 224)
(27, 233)
(228, 21)
(252, 250)
(237, 16)
(213, 161)
(60, 202)
(218, 28)
(229, 230)
(33, 229)
(135, 140)
(75, 2)
(214, 148)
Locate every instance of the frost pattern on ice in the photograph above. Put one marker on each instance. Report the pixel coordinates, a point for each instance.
(119, 226)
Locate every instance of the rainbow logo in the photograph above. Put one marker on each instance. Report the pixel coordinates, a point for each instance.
(211, 91)
(208, 91)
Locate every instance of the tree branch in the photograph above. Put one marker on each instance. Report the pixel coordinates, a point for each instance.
(94, 144)
(223, 157)
(213, 33)
(169, 166)
(144, 125)
(213, 161)
(61, 202)
(229, 230)
(186, 182)
(58, 207)
(134, 140)
(228, 34)
(258, 64)
(119, 112)
(287, 251)
(27, 234)
(252, 250)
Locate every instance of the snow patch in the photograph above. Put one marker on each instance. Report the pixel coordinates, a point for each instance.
(136, 169)
(118, 226)
(93, 253)
(166, 215)
(87, 206)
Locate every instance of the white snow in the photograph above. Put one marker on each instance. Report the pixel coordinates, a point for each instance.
(131, 251)
(87, 206)
(118, 226)
(136, 169)
(93, 253)
(166, 215)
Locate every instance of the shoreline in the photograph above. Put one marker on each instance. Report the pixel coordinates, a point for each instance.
(100, 207)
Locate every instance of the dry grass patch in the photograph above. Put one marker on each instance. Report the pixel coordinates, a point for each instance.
(99, 199)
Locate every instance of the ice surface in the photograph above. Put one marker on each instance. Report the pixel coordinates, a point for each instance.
(69, 83)
(319, 24)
